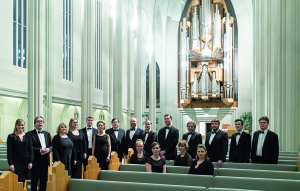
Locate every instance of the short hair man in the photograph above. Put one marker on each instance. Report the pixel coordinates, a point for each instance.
(240, 144)
(265, 146)
(42, 146)
(89, 133)
(132, 134)
(148, 137)
(216, 143)
(168, 138)
(117, 138)
(193, 138)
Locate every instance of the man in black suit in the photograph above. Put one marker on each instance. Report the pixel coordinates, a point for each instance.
(117, 138)
(168, 138)
(89, 133)
(216, 143)
(132, 134)
(42, 146)
(193, 138)
(265, 146)
(148, 137)
(240, 144)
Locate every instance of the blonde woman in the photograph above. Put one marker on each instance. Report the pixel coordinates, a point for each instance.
(183, 159)
(20, 151)
(140, 156)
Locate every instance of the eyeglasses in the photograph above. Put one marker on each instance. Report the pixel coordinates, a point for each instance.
(39, 121)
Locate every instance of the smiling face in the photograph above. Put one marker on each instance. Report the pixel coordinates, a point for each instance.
(115, 124)
(201, 153)
(133, 122)
(20, 127)
(39, 124)
(168, 121)
(182, 148)
(100, 127)
(139, 147)
(63, 129)
(191, 127)
(89, 122)
(74, 124)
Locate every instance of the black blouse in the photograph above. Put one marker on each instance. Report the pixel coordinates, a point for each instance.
(156, 165)
(187, 160)
(135, 160)
(205, 168)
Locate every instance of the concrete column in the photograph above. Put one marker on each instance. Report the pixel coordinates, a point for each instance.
(36, 59)
(87, 60)
(276, 69)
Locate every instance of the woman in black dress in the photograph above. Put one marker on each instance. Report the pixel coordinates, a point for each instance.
(202, 165)
(139, 157)
(78, 139)
(183, 159)
(155, 163)
(101, 146)
(20, 151)
(63, 148)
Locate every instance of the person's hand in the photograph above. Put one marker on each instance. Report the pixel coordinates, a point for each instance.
(219, 163)
(107, 159)
(84, 156)
(29, 166)
(125, 156)
(47, 150)
(163, 157)
(74, 163)
(12, 168)
(161, 153)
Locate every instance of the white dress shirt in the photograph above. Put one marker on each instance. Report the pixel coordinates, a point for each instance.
(260, 142)
(212, 136)
(147, 134)
(116, 132)
(89, 133)
(189, 136)
(132, 133)
(42, 140)
(237, 138)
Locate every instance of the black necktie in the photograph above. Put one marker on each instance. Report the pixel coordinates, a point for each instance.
(238, 133)
(40, 132)
(261, 132)
(213, 132)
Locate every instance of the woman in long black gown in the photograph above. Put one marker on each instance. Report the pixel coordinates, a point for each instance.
(140, 156)
(78, 139)
(202, 165)
(20, 151)
(155, 163)
(101, 146)
(183, 159)
(63, 148)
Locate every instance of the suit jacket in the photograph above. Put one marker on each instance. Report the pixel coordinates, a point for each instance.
(218, 148)
(94, 132)
(241, 152)
(36, 145)
(130, 143)
(117, 143)
(193, 143)
(152, 137)
(270, 149)
(169, 144)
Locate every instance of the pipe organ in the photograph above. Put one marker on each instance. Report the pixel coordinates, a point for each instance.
(207, 56)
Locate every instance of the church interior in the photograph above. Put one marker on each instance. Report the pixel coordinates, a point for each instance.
(64, 59)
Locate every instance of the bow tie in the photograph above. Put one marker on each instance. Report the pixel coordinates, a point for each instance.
(41, 132)
(167, 127)
(116, 129)
(89, 128)
(238, 133)
(213, 132)
(190, 133)
(147, 132)
(132, 129)
(261, 132)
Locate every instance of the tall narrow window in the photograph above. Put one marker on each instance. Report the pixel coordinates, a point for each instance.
(98, 45)
(67, 38)
(157, 86)
(20, 33)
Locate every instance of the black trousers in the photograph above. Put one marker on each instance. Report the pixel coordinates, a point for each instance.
(39, 171)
